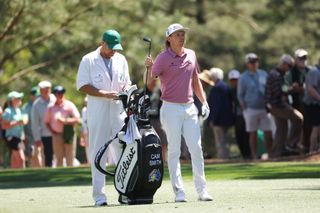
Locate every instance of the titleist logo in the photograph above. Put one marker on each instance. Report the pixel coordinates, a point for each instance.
(125, 167)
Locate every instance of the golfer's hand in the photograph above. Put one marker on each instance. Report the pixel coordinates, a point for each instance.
(205, 110)
(148, 62)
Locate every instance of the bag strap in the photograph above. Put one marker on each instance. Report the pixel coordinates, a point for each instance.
(99, 156)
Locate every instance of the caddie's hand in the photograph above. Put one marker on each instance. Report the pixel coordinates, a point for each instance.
(205, 110)
(110, 94)
(148, 62)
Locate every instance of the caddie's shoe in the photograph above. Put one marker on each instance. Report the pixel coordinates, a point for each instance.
(180, 197)
(100, 203)
(204, 196)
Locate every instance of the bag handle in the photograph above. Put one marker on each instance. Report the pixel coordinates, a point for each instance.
(99, 156)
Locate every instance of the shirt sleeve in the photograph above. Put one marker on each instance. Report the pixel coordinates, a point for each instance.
(7, 115)
(75, 111)
(240, 90)
(157, 66)
(83, 75)
(47, 115)
(35, 123)
(311, 78)
(126, 71)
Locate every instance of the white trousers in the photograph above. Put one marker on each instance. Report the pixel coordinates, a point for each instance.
(177, 120)
(104, 122)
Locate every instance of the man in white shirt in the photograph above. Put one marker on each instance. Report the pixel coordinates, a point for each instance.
(102, 74)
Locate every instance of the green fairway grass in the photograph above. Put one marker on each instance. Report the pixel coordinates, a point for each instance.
(241, 187)
(81, 175)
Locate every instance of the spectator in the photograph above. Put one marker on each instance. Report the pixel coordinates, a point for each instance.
(42, 136)
(250, 94)
(221, 117)
(276, 97)
(33, 153)
(242, 137)
(61, 118)
(13, 121)
(2, 148)
(312, 99)
(206, 131)
(296, 79)
(84, 132)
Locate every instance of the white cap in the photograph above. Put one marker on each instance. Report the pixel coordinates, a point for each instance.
(216, 73)
(287, 59)
(300, 53)
(44, 84)
(250, 56)
(175, 27)
(233, 74)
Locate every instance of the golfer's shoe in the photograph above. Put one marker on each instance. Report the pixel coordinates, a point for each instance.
(204, 196)
(100, 203)
(180, 197)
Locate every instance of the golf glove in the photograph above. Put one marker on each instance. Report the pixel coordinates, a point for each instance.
(205, 110)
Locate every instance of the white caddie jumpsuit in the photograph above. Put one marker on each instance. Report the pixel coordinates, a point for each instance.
(105, 116)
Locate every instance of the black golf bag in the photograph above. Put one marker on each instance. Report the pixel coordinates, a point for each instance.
(139, 171)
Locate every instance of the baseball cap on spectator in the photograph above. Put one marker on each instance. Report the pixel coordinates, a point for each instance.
(59, 90)
(251, 57)
(113, 39)
(300, 53)
(14, 94)
(174, 28)
(234, 74)
(44, 84)
(35, 91)
(287, 59)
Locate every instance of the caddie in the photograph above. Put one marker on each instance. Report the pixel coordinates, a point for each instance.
(102, 74)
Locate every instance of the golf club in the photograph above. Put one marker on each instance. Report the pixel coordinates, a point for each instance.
(148, 40)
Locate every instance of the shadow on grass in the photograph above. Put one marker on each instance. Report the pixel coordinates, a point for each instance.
(81, 176)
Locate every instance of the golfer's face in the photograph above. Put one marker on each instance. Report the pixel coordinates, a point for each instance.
(177, 38)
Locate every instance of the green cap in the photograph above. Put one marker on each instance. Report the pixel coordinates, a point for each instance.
(113, 39)
(35, 91)
(14, 94)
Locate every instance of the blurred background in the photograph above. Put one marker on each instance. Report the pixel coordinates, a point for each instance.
(46, 39)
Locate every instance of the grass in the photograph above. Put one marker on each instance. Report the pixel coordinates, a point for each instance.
(239, 187)
(237, 171)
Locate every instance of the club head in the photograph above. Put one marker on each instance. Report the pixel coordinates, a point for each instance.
(147, 39)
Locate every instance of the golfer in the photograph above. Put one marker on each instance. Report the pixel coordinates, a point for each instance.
(177, 69)
(101, 75)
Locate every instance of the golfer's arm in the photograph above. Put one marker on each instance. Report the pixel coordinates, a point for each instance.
(198, 89)
(148, 78)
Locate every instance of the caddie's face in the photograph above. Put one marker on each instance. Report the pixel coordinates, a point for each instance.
(177, 39)
(107, 52)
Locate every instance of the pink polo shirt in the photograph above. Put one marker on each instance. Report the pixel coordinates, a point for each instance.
(64, 110)
(175, 74)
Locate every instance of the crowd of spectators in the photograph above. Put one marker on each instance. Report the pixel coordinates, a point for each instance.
(284, 104)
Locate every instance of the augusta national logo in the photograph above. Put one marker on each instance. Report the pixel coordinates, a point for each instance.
(155, 175)
(125, 166)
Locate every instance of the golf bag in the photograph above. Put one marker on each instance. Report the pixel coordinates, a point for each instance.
(139, 172)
